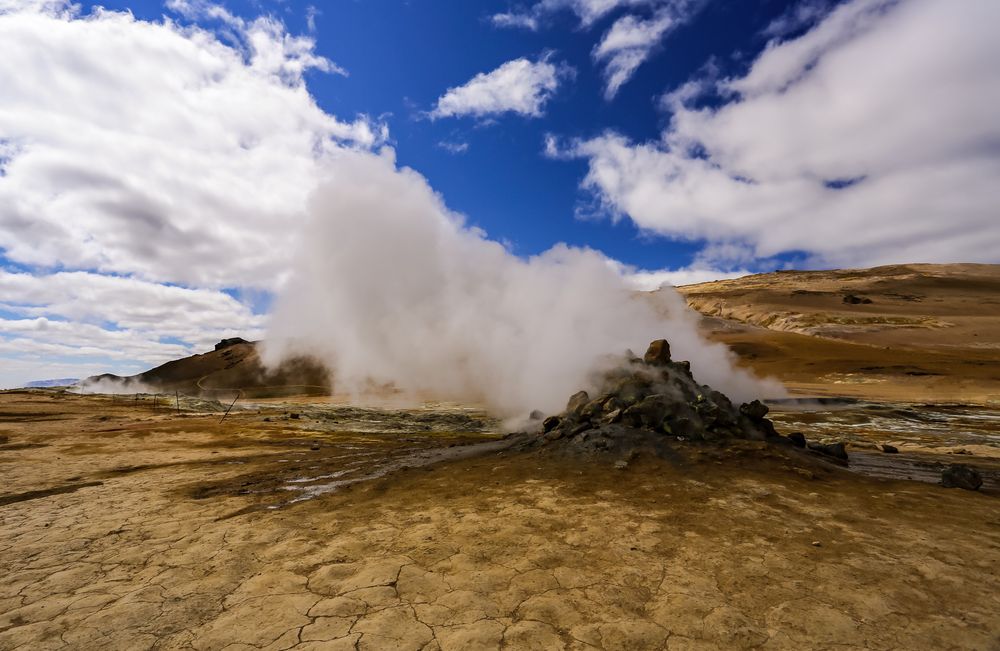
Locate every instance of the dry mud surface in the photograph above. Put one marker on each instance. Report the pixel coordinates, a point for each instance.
(123, 527)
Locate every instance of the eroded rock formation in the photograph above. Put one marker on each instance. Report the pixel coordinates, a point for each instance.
(655, 402)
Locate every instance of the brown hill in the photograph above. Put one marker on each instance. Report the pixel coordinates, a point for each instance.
(233, 365)
(918, 331)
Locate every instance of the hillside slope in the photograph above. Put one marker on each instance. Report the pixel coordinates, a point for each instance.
(233, 365)
(916, 331)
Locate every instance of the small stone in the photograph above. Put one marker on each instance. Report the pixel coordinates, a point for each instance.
(959, 475)
(293, 416)
(755, 410)
(817, 543)
(658, 353)
(536, 415)
(577, 401)
(314, 447)
(612, 417)
(797, 439)
(889, 449)
(836, 450)
(621, 464)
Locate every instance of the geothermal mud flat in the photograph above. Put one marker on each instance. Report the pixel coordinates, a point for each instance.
(123, 526)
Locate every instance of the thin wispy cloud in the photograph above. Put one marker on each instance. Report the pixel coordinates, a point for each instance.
(628, 44)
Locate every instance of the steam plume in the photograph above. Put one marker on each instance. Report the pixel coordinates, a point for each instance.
(391, 288)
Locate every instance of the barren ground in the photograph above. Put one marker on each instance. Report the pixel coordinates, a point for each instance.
(928, 333)
(122, 527)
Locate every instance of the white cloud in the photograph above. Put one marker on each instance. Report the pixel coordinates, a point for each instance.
(629, 41)
(803, 14)
(648, 281)
(157, 149)
(587, 11)
(645, 280)
(514, 19)
(628, 44)
(136, 153)
(520, 86)
(454, 147)
(122, 320)
(857, 143)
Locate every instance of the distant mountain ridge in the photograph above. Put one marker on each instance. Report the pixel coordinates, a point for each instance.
(58, 382)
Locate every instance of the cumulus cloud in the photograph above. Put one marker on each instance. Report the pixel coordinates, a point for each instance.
(157, 149)
(141, 153)
(857, 143)
(391, 288)
(520, 86)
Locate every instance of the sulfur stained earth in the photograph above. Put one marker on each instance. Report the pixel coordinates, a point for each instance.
(297, 527)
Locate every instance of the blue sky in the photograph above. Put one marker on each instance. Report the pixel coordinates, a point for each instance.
(401, 56)
(157, 159)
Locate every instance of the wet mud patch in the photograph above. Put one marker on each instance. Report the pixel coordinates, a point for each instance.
(46, 492)
(326, 466)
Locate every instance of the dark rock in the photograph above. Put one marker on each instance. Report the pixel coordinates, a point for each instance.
(593, 408)
(631, 390)
(612, 404)
(293, 416)
(232, 341)
(555, 434)
(889, 449)
(650, 407)
(836, 450)
(851, 299)
(683, 367)
(536, 415)
(658, 353)
(797, 439)
(577, 401)
(649, 412)
(612, 417)
(550, 423)
(959, 475)
(755, 410)
(767, 426)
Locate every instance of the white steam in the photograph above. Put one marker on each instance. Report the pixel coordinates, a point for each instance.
(391, 288)
(112, 386)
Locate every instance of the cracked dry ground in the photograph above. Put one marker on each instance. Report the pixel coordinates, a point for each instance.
(140, 531)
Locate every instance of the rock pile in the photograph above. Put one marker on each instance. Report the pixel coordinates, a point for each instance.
(655, 401)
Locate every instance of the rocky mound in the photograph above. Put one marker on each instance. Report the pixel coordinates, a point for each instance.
(655, 402)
